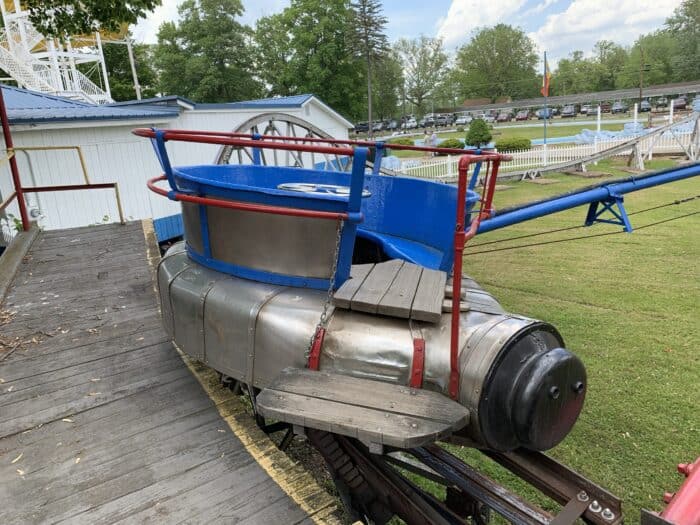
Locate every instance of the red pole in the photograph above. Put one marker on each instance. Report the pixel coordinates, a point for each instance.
(9, 146)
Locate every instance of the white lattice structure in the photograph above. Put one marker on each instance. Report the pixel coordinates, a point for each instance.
(47, 65)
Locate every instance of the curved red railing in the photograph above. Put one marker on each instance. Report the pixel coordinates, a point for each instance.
(256, 141)
(237, 205)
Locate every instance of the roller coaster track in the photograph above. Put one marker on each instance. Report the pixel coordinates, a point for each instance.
(636, 156)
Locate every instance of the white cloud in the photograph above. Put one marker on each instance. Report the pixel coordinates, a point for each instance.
(466, 15)
(584, 22)
(146, 29)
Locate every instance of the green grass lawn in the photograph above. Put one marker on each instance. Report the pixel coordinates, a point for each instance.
(629, 306)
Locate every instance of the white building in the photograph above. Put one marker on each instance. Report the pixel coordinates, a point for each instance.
(113, 154)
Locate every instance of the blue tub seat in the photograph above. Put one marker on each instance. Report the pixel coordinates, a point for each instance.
(406, 249)
(412, 219)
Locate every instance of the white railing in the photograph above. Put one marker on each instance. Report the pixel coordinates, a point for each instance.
(445, 168)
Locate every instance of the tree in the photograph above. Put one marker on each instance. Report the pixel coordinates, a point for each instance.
(479, 133)
(207, 55)
(121, 81)
(424, 63)
(498, 61)
(368, 40)
(387, 88)
(653, 55)
(610, 59)
(574, 75)
(73, 17)
(684, 27)
(310, 52)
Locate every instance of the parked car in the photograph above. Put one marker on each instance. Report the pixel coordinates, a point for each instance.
(587, 109)
(489, 118)
(619, 107)
(362, 127)
(644, 105)
(568, 111)
(443, 120)
(523, 114)
(680, 103)
(605, 107)
(555, 110)
(544, 113)
(391, 125)
(661, 102)
(409, 123)
(504, 116)
(463, 120)
(378, 126)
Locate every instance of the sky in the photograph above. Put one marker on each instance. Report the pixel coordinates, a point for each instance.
(556, 26)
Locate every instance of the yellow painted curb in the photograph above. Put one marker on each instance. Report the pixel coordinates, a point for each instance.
(291, 477)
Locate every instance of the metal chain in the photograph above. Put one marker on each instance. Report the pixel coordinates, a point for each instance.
(323, 320)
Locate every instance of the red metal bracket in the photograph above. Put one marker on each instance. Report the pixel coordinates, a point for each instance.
(418, 364)
(315, 352)
(684, 506)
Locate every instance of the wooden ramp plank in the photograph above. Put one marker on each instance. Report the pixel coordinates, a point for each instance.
(427, 306)
(375, 286)
(343, 295)
(398, 299)
(371, 411)
(103, 419)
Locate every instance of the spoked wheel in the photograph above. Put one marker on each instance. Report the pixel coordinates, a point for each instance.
(281, 125)
(297, 129)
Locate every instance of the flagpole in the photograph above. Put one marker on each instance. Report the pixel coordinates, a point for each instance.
(545, 93)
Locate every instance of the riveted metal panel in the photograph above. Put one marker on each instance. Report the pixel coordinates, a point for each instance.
(283, 332)
(273, 243)
(368, 346)
(188, 293)
(229, 324)
(192, 226)
(170, 266)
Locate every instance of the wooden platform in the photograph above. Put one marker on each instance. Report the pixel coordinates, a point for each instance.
(374, 412)
(101, 421)
(395, 288)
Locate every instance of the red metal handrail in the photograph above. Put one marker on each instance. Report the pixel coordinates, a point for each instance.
(461, 237)
(237, 205)
(224, 140)
(171, 134)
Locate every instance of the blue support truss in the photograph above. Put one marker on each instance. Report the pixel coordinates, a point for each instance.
(615, 205)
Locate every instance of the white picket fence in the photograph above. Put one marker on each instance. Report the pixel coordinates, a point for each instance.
(445, 168)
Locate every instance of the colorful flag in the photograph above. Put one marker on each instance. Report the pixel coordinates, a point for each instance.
(545, 78)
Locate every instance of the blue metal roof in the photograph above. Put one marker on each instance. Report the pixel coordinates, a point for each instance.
(27, 107)
(294, 101)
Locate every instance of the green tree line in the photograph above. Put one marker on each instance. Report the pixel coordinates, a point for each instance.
(338, 50)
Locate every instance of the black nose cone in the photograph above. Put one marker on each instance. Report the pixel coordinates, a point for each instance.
(547, 398)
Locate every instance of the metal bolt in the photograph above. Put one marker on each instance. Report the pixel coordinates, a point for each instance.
(595, 506)
(582, 496)
(554, 392)
(578, 387)
(607, 514)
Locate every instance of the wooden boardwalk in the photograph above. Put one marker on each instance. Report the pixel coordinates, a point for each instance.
(101, 421)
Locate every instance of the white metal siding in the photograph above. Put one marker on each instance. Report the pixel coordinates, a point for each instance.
(113, 154)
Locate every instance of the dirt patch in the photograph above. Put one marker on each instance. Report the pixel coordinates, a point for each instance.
(540, 180)
(588, 174)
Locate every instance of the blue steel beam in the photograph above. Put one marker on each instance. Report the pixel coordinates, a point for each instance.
(604, 193)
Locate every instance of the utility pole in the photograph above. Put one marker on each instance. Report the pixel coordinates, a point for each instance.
(642, 68)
